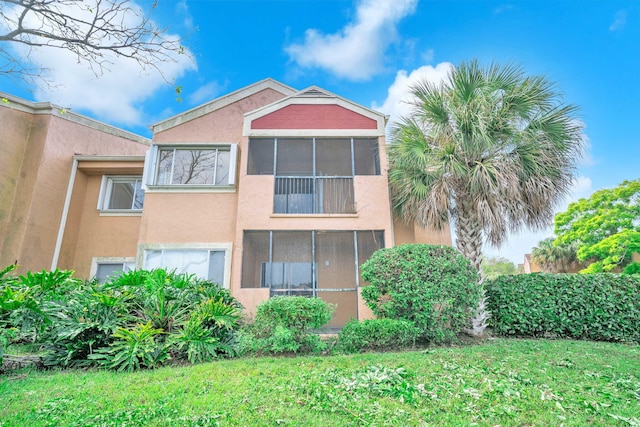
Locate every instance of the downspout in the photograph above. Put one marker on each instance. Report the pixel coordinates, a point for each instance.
(65, 213)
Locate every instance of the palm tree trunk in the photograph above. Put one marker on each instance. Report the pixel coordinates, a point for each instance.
(469, 239)
(469, 243)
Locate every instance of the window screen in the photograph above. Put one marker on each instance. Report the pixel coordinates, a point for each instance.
(295, 157)
(260, 161)
(367, 161)
(333, 157)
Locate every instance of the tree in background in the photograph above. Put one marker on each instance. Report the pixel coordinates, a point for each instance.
(89, 29)
(493, 267)
(491, 149)
(553, 258)
(605, 227)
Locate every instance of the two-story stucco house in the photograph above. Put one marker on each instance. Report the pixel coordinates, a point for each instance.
(268, 191)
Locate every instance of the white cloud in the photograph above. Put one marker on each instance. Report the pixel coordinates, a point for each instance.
(427, 55)
(357, 51)
(183, 9)
(112, 96)
(395, 105)
(619, 21)
(587, 157)
(206, 92)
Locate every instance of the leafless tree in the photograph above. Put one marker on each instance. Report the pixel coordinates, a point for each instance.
(94, 30)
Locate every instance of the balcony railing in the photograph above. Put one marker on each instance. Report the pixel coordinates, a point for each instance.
(300, 195)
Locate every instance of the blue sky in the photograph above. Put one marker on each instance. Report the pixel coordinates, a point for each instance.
(369, 51)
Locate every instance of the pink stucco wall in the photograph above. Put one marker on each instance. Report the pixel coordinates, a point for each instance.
(222, 125)
(40, 150)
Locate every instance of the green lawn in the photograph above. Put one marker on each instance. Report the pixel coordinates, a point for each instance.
(501, 382)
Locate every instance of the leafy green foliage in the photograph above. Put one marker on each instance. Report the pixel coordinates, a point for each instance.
(136, 320)
(433, 287)
(602, 307)
(298, 313)
(210, 331)
(377, 335)
(284, 324)
(198, 343)
(556, 258)
(605, 227)
(134, 348)
(84, 324)
(493, 267)
(633, 268)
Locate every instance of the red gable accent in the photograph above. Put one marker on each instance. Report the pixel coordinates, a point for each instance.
(314, 116)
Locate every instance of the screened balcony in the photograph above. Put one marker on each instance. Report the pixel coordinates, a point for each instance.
(323, 264)
(313, 175)
(302, 195)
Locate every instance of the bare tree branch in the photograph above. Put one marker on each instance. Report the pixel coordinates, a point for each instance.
(93, 30)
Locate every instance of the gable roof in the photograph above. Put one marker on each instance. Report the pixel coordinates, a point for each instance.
(318, 96)
(221, 102)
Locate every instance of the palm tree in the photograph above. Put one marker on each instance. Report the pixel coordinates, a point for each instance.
(490, 149)
(553, 258)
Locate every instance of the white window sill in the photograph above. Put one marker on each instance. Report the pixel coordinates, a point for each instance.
(121, 212)
(318, 215)
(190, 189)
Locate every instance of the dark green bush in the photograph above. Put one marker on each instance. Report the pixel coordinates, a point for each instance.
(633, 268)
(377, 335)
(285, 324)
(602, 307)
(434, 287)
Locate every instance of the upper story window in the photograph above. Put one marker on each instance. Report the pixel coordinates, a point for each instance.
(121, 193)
(313, 156)
(195, 166)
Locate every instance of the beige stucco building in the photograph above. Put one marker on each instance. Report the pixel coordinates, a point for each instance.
(268, 191)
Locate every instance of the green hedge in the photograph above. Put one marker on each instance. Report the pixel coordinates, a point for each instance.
(377, 335)
(433, 287)
(603, 307)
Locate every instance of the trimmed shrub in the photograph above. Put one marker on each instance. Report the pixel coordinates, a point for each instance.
(602, 307)
(284, 324)
(377, 335)
(433, 287)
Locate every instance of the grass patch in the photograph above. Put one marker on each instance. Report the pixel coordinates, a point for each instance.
(501, 382)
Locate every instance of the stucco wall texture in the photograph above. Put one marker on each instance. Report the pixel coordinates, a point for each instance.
(36, 163)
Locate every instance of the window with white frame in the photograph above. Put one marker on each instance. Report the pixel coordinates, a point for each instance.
(112, 269)
(206, 264)
(211, 165)
(121, 193)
